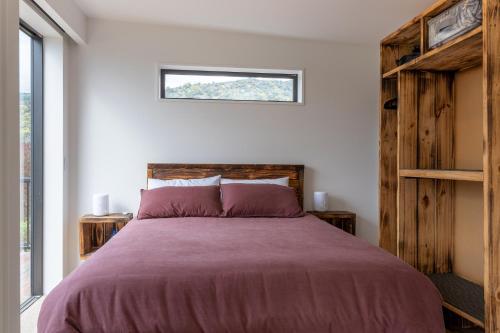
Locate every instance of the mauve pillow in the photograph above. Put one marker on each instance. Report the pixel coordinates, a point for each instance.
(173, 201)
(259, 200)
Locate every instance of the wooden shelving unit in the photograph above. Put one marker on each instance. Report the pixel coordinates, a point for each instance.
(461, 53)
(419, 178)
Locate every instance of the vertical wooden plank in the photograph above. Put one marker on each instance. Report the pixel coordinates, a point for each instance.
(85, 238)
(491, 161)
(107, 230)
(445, 159)
(388, 56)
(426, 224)
(407, 221)
(99, 234)
(407, 159)
(445, 120)
(82, 239)
(426, 194)
(120, 225)
(424, 35)
(388, 173)
(445, 201)
(426, 93)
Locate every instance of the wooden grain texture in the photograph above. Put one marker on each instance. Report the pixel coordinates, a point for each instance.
(343, 220)
(392, 53)
(426, 225)
(445, 219)
(464, 175)
(425, 105)
(388, 169)
(424, 35)
(426, 196)
(409, 33)
(491, 118)
(407, 158)
(95, 231)
(407, 120)
(114, 217)
(438, 7)
(388, 56)
(234, 171)
(426, 152)
(426, 129)
(444, 113)
(458, 54)
(407, 221)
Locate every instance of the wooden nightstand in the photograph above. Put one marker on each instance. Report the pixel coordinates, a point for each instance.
(97, 230)
(341, 219)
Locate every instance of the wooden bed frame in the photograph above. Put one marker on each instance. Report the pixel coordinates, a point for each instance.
(234, 171)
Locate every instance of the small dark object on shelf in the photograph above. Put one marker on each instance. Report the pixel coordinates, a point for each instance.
(404, 59)
(391, 104)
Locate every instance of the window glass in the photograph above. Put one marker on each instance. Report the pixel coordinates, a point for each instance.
(25, 118)
(232, 86)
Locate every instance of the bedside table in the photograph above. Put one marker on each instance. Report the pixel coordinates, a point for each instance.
(341, 219)
(97, 230)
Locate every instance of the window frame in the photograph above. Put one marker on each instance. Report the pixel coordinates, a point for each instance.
(37, 78)
(295, 75)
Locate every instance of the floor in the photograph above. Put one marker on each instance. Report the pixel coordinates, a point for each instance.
(29, 317)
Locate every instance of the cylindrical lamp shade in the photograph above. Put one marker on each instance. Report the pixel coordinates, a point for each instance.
(100, 204)
(320, 201)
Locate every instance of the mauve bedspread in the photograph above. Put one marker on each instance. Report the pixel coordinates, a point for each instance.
(241, 275)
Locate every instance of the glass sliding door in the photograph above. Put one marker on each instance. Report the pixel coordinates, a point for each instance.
(31, 152)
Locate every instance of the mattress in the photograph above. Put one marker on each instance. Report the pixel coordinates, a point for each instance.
(241, 275)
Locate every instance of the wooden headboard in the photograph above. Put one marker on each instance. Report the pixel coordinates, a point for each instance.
(234, 171)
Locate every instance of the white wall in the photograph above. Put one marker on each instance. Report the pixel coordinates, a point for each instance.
(67, 15)
(117, 125)
(9, 166)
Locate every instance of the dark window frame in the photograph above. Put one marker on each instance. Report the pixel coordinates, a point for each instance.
(293, 77)
(37, 164)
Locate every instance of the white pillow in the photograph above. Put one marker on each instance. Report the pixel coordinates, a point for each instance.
(276, 181)
(210, 181)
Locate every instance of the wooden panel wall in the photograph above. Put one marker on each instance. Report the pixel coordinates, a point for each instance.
(388, 177)
(491, 102)
(407, 159)
(426, 119)
(392, 52)
(387, 154)
(426, 195)
(445, 159)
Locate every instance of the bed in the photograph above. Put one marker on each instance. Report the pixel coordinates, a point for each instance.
(218, 274)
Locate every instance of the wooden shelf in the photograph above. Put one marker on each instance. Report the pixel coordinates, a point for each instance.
(460, 53)
(461, 296)
(418, 145)
(467, 175)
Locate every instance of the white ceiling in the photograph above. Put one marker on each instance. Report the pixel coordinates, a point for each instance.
(357, 21)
